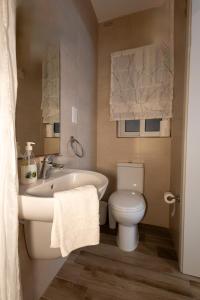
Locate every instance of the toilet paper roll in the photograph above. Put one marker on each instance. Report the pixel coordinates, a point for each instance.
(169, 198)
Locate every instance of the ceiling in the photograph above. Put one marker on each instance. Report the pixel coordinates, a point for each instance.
(109, 9)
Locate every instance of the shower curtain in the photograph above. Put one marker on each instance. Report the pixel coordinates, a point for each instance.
(9, 264)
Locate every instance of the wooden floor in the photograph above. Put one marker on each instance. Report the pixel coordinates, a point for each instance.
(106, 273)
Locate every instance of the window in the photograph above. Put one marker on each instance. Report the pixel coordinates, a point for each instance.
(132, 126)
(143, 128)
(152, 125)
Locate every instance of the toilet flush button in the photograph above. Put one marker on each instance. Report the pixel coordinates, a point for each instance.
(133, 193)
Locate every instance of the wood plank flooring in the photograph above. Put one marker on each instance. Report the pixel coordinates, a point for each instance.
(104, 272)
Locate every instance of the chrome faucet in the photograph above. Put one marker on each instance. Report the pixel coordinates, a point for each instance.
(46, 165)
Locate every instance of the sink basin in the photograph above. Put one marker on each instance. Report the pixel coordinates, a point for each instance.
(36, 201)
(70, 181)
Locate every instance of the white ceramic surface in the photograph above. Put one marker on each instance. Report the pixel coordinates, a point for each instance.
(36, 200)
(127, 205)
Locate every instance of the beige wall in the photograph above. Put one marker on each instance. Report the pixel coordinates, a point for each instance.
(123, 33)
(178, 121)
(78, 85)
(74, 25)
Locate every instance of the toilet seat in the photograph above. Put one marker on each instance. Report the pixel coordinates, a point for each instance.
(127, 201)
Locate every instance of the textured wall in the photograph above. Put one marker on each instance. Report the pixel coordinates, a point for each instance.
(74, 25)
(127, 32)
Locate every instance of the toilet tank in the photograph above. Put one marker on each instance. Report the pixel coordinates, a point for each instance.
(130, 176)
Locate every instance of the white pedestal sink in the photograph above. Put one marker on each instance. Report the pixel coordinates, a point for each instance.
(36, 206)
(36, 200)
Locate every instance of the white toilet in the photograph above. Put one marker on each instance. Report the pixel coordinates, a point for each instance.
(127, 205)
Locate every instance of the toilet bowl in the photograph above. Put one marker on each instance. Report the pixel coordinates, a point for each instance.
(127, 208)
(127, 205)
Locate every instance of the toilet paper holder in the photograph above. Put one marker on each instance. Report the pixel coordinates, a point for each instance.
(171, 198)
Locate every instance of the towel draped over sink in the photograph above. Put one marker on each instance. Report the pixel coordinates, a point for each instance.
(76, 219)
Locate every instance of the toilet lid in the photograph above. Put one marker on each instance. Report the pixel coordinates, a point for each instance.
(126, 200)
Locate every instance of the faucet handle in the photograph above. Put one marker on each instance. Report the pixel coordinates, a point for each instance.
(49, 159)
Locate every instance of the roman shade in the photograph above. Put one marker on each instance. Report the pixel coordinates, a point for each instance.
(141, 83)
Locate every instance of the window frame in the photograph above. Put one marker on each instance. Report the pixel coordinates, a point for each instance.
(123, 133)
(142, 133)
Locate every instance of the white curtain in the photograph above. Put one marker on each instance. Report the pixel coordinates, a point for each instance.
(141, 83)
(9, 264)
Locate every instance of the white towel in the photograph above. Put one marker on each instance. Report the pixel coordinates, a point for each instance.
(76, 219)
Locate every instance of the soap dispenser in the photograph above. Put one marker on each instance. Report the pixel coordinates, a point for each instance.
(28, 165)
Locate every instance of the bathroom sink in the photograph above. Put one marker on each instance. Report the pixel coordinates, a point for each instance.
(36, 200)
(69, 181)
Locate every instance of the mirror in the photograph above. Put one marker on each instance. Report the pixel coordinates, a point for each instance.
(38, 99)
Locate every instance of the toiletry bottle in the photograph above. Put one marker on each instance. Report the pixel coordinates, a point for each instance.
(28, 165)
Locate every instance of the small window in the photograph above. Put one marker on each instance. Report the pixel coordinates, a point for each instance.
(152, 125)
(132, 126)
(142, 128)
